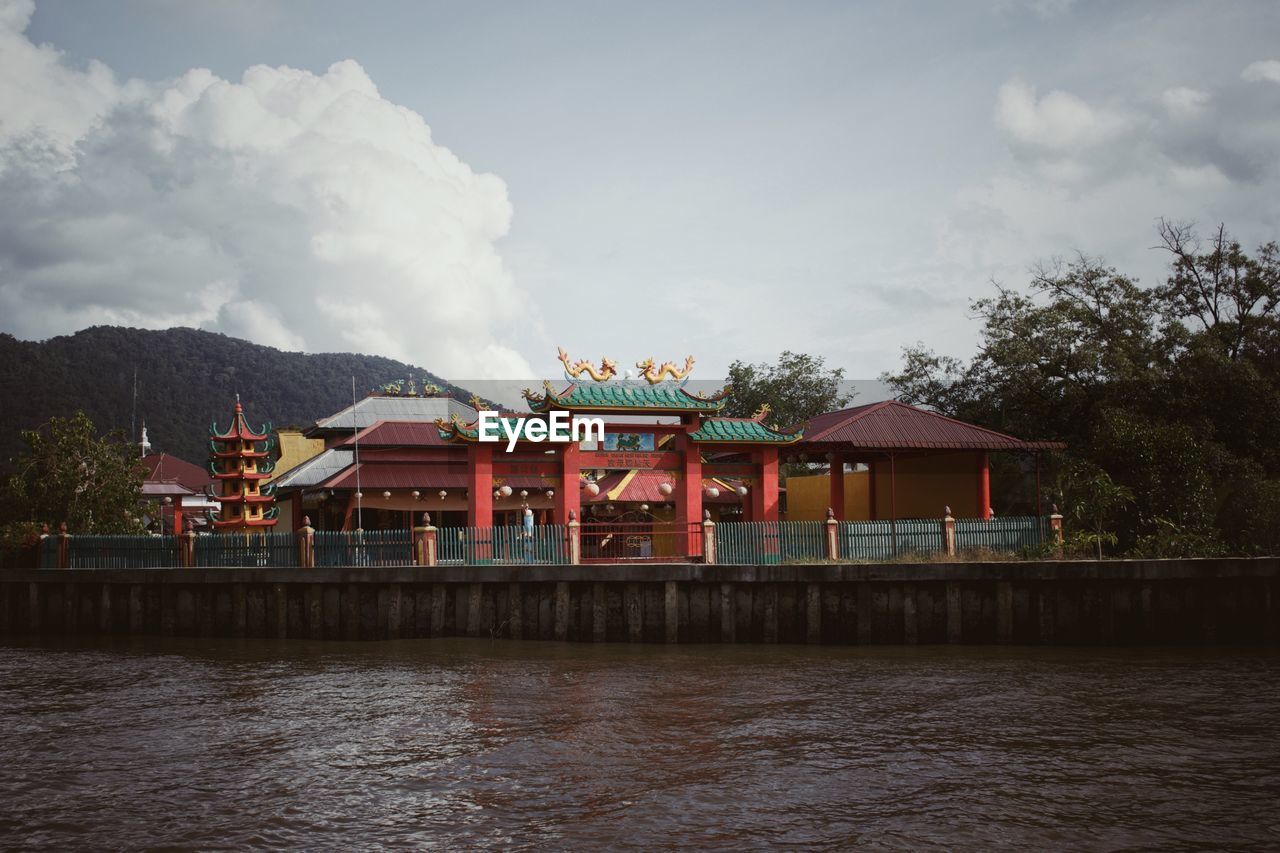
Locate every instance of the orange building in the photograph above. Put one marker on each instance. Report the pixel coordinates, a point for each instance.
(891, 460)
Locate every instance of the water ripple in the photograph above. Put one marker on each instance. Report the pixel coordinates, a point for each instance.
(229, 744)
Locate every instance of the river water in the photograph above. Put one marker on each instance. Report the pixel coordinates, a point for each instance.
(225, 743)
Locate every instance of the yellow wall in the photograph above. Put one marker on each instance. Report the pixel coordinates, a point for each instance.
(925, 485)
(295, 448)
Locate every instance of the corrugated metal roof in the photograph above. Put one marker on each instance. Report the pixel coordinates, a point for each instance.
(398, 434)
(165, 487)
(891, 425)
(163, 466)
(367, 412)
(316, 470)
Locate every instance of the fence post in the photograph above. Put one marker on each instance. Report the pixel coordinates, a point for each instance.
(948, 532)
(187, 546)
(833, 539)
(575, 539)
(64, 547)
(1055, 531)
(708, 538)
(424, 543)
(306, 544)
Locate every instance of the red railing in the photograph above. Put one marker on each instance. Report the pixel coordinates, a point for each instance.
(640, 541)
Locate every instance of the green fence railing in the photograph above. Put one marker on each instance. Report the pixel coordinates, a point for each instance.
(364, 547)
(119, 552)
(885, 540)
(546, 543)
(252, 549)
(1015, 533)
(769, 542)
(746, 543)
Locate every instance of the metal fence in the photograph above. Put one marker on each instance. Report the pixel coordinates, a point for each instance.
(254, 549)
(884, 540)
(749, 543)
(362, 547)
(768, 542)
(1015, 533)
(545, 543)
(118, 552)
(639, 541)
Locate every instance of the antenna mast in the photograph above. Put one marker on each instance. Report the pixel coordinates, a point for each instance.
(355, 435)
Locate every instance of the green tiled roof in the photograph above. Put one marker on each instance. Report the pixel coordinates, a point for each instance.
(616, 395)
(738, 429)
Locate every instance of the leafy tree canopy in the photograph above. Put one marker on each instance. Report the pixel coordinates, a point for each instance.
(796, 388)
(66, 472)
(1166, 395)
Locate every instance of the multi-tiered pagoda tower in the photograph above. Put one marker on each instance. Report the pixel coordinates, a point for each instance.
(240, 459)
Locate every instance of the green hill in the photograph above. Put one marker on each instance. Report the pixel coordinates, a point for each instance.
(186, 379)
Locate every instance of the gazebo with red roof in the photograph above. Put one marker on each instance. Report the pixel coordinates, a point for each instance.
(889, 430)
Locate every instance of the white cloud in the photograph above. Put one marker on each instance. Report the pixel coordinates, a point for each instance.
(1265, 70)
(1183, 102)
(295, 209)
(1058, 121)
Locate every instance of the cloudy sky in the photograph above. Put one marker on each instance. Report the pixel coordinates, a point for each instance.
(467, 185)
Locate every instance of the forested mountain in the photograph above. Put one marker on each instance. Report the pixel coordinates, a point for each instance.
(185, 378)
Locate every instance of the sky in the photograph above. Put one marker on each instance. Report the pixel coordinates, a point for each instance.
(467, 186)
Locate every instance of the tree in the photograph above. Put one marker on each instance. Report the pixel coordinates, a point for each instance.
(1172, 392)
(1218, 288)
(798, 387)
(1093, 501)
(67, 473)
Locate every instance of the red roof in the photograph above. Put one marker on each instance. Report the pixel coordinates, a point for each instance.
(397, 434)
(891, 425)
(161, 467)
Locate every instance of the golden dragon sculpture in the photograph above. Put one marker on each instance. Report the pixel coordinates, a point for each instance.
(653, 374)
(574, 369)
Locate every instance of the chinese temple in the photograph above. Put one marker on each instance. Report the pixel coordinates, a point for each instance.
(674, 448)
(239, 460)
(667, 455)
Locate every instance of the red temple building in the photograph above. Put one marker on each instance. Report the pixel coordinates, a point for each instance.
(239, 460)
(668, 456)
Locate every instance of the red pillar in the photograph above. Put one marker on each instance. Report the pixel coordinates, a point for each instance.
(689, 497)
(835, 502)
(764, 498)
(177, 515)
(984, 486)
(568, 495)
(479, 484)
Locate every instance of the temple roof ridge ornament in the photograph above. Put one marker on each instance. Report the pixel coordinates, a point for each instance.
(407, 388)
(573, 370)
(653, 374)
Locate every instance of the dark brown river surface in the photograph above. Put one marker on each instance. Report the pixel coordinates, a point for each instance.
(226, 744)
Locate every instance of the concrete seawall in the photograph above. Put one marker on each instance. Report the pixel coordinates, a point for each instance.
(1066, 602)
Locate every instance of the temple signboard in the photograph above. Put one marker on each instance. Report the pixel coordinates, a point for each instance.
(615, 459)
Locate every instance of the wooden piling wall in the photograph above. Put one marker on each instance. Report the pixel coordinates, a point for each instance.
(1043, 603)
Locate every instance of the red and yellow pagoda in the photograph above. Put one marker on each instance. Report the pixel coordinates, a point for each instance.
(239, 460)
